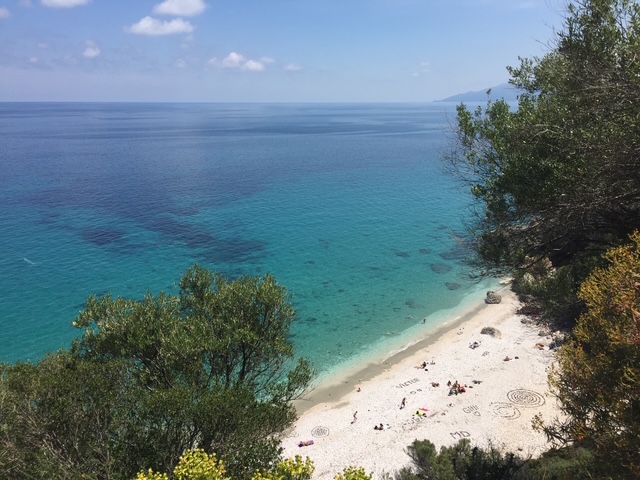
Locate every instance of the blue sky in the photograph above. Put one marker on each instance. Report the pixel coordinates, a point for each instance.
(265, 50)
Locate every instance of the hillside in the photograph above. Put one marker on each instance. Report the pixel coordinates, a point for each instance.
(504, 90)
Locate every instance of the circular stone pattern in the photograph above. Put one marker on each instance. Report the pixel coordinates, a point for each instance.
(320, 432)
(526, 398)
(505, 410)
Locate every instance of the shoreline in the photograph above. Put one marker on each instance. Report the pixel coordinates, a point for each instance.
(331, 390)
(500, 400)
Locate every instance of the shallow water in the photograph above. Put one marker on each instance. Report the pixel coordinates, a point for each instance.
(345, 204)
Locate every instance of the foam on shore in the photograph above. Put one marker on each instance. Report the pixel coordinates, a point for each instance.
(334, 383)
(498, 406)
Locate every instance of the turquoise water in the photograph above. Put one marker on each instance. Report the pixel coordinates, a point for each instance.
(346, 205)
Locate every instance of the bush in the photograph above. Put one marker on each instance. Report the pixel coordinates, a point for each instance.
(460, 462)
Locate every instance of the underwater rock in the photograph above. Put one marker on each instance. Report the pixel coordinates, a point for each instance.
(440, 268)
(457, 253)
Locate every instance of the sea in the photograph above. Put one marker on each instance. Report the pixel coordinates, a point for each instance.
(347, 205)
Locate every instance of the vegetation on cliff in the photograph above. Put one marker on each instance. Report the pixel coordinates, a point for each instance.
(151, 379)
(557, 185)
(557, 178)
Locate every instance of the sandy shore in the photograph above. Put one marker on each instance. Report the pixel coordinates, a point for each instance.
(499, 403)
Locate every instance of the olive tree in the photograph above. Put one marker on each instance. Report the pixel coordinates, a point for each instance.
(598, 375)
(557, 176)
(211, 368)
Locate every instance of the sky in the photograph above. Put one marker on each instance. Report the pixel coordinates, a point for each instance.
(265, 50)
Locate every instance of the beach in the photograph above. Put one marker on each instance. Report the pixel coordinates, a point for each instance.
(503, 385)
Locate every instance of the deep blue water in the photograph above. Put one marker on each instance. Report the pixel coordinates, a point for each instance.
(346, 204)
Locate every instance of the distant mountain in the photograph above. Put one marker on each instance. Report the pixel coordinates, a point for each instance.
(504, 90)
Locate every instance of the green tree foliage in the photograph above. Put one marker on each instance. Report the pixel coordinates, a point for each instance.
(57, 420)
(148, 380)
(463, 462)
(289, 469)
(459, 462)
(598, 379)
(568, 463)
(557, 179)
(354, 473)
(193, 465)
(198, 465)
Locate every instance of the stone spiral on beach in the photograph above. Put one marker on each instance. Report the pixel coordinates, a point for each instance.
(320, 432)
(525, 398)
(505, 410)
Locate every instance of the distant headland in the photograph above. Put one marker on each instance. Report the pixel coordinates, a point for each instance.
(504, 91)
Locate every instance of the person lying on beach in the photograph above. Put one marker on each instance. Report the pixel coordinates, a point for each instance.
(434, 384)
(305, 443)
(456, 388)
(474, 345)
(378, 427)
(403, 403)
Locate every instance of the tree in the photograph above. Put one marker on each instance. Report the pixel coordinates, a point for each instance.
(460, 462)
(598, 376)
(354, 473)
(212, 368)
(57, 420)
(557, 179)
(198, 465)
(193, 465)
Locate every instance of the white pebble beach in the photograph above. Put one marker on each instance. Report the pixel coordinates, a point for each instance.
(501, 398)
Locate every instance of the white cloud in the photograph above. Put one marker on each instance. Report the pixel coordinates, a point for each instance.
(64, 3)
(239, 62)
(233, 60)
(180, 63)
(267, 60)
(292, 67)
(180, 8)
(91, 50)
(425, 67)
(154, 27)
(253, 66)
(4, 13)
